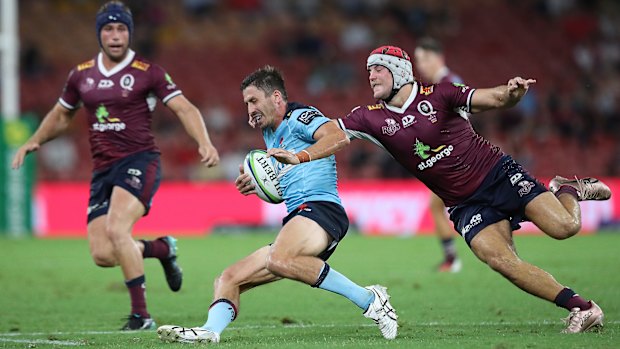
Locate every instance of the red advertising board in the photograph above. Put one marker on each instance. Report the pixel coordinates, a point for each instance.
(374, 207)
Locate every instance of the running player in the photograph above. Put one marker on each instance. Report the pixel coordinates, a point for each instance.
(119, 90)
(316, 222)
(431, 65)
(427, 130)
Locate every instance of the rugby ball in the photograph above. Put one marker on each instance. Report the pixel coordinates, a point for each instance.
(264, 176)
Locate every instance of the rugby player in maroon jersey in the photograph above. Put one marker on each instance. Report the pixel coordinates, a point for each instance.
(426, 128)
(119, 91)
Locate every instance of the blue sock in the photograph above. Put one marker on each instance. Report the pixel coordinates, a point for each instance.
(331, 280)
(221, 313)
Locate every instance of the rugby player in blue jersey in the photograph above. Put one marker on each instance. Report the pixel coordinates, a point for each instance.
(303, 141)
(119, 90)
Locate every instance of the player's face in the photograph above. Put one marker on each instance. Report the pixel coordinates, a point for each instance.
(427, 64)
(381, 81)
(261, 108)
(115, 40)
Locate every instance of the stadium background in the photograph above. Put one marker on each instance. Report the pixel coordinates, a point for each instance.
(567, 124)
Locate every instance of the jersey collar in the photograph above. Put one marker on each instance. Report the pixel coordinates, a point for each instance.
(125, 62)
(412, 96)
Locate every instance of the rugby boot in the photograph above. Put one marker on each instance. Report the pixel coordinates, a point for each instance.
(136, 322)
(584, 320)
(179, 334)
(174, 273)
(588, 188)
(382, 312)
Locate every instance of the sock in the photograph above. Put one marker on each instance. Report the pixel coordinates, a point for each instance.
(155, 249)
(221, 313)
(448, 249)
(137, 293)
(331, 280)
(567, 189)
(568, 299)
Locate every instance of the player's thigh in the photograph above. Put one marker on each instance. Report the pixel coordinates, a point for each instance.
(101, 248)
(547, 212)
(248, 272)
(436, 204)
(494, 244)
(125, 210)
(301, 236)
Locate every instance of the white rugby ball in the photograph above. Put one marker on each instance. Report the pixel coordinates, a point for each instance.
(264, 176)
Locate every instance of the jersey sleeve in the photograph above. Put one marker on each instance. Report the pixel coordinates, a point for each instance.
(355, 124)
(70, 97)
(163, 86)
(458, 97)
(306, 121)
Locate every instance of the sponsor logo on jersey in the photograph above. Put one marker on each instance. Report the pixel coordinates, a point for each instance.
(391, 128)
(307, 116)
(134, 182)
(140, 65)
(105, 122)
(426, 108)
(426, 90)
(171, 85)
(462, 86)
(474, 221)
(127, 82)
(375, 106)
(408, 121)
(86, 65)
(105, 84)
(430, 156)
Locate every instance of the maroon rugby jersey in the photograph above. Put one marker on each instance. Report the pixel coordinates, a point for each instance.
(432, 137)
(119, 103)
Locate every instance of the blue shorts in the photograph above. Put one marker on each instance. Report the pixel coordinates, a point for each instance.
(329, 215)
(139, 174)
(503, 194)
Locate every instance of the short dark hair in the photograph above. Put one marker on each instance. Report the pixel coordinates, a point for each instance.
(266, 79)
(430, 44)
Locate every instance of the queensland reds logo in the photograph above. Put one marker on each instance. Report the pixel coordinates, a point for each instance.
(426, 108)
(391, 128)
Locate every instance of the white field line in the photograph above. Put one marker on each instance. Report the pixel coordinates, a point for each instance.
(7, 335)
(40, 341)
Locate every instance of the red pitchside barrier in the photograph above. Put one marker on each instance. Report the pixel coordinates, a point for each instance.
(185, 209)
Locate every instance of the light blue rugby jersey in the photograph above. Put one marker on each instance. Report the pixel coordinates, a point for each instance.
(311, 181)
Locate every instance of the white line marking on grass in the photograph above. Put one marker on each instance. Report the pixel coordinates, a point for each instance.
(40, 341)
(297, 325)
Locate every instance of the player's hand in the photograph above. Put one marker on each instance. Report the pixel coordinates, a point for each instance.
(209, 155)
(18, 159)
(283, 156)
(244, 183)
(518, 86)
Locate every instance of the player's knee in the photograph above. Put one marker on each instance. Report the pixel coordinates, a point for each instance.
(505, 265)
(278, 264)
(565, 229)
(103, 259)
(227, 278)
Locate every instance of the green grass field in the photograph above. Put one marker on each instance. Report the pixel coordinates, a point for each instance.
(53, 296)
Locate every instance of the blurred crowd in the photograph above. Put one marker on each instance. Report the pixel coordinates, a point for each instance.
(568, 123)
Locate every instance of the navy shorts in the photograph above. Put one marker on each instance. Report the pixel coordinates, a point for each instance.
(138, 173)
(503, 194)
(329, 215)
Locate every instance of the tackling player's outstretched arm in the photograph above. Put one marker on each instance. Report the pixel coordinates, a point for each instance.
(194, 125)
(329, 139)
(55, 122)
(504, 96)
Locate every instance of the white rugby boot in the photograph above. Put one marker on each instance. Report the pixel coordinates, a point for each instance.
(382, 312)
(179, 334)
(584, 320)
(588, 188)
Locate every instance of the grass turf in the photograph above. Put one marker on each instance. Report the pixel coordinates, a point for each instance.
(53, 296)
